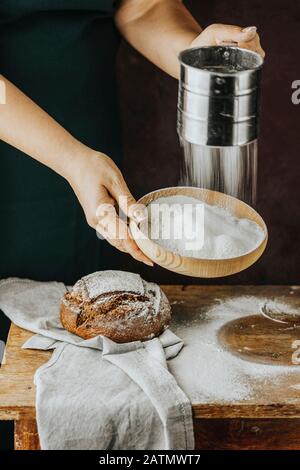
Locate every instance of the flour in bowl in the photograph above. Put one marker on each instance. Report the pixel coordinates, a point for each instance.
(189, 227)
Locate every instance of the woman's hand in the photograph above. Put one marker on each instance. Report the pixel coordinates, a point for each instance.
(100, 189)
(161, 29)
(223, 34)
(95, 179)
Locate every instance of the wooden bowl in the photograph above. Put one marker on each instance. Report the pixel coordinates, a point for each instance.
(193, 266)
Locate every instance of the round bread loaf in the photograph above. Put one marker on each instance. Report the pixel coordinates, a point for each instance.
(116, 304)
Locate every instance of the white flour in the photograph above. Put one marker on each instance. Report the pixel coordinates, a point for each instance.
(217, 235)
(230, 170)
(102, 282)
(206, 371)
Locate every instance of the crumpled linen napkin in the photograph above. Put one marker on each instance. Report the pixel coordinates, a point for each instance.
(97, 394)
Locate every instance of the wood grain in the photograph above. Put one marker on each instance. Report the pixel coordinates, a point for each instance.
(275, 399)
(205, 268)
(17, 392)
(210, 434)
(259, 339)
(26, 435)
(247, 434)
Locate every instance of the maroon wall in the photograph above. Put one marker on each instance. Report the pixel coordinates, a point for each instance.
(152, 154)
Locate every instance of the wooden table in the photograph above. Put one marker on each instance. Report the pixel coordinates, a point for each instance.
(271, 421)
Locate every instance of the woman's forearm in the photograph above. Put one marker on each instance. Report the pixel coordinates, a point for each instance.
(24, 125)
(159, 29)
(95, 179)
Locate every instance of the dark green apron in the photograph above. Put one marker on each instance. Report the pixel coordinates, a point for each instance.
(61, 53)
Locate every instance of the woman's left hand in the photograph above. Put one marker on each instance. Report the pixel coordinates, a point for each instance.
(223, 34)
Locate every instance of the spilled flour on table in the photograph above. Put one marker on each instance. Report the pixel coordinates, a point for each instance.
(204, 369)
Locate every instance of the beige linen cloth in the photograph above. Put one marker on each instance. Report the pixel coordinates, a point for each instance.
(97, 394)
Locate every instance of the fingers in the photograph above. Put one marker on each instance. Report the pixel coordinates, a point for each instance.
(120, 192)
(101, 188)
(222, 34)
(253, 45)
(246, 34)
(135, 251)
(116, 232)
(105, 204)
(118, 189)
(234, 34)
(249, 39)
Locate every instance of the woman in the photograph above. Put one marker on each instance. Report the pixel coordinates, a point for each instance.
(57, 60)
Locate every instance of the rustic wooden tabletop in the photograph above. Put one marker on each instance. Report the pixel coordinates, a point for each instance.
(272, 412)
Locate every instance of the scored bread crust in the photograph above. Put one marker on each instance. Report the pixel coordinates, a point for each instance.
(122, 316)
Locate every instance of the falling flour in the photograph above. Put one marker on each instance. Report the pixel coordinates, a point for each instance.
(230, 170)
(189, 227)
(208, 372)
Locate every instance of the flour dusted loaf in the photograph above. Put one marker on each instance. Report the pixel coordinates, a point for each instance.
(116, 304)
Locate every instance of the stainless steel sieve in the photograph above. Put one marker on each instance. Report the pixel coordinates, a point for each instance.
(218, 98)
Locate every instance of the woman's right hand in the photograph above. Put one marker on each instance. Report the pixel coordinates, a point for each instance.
(100, 189)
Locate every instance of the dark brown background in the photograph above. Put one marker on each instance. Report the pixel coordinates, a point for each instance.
(152, 153)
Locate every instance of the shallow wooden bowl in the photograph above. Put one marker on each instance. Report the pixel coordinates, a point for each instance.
(193, 266)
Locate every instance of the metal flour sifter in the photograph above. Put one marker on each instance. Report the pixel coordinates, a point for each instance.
(218, 118)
